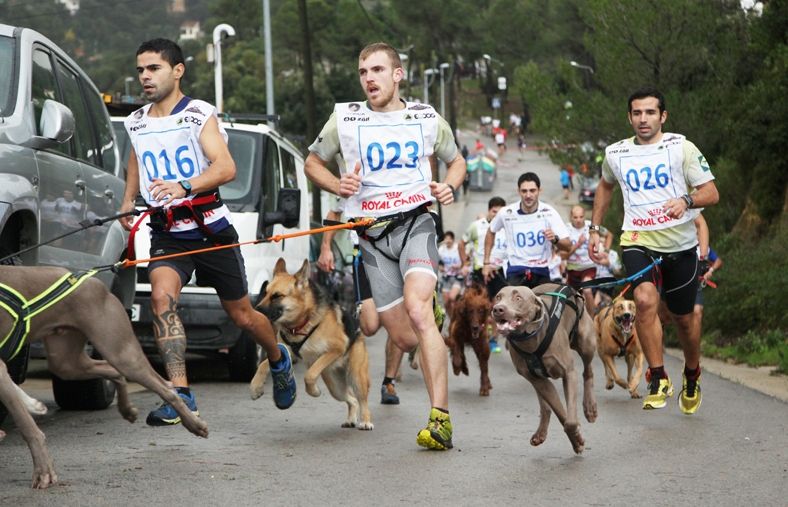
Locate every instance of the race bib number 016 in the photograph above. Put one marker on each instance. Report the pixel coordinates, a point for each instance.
(164, 165)
(390, 155)
(647, 180)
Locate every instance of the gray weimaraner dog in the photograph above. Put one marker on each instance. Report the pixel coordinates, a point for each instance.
(88, 313)
(542, 326)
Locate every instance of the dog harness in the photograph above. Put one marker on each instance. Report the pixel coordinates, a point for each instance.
(23, 311)
(349, 322)
(621, 346)
(563, 296)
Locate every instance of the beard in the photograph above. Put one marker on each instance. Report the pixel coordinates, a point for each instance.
(159, 92)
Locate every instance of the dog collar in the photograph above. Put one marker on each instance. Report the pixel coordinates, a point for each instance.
(297, 330)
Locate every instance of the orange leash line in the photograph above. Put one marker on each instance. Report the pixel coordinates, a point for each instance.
(350, 225)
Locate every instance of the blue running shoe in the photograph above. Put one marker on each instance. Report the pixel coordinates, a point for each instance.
(165, 415)
(284, 381)
(494, 347)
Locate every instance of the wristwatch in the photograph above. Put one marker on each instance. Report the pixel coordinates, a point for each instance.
(594, 228)
(688, 199)
(186, 186)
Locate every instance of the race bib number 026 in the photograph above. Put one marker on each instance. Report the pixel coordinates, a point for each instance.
(391, 155)
(647, 180)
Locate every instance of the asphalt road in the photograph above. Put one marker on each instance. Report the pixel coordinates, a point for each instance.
(734, 451)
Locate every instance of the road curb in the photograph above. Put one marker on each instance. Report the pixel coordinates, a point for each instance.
(760, 379)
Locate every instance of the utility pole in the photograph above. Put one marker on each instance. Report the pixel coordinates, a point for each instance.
(309, 96)
(270, 108)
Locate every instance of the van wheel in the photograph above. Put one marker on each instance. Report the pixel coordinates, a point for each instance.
(243, 359)
(90, 394)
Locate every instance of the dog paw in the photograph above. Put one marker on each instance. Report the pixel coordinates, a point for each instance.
(256, 389)
(2, 435)
(366, 426)
(44, 476)
(573, 432)
(36, 407)
(348, 424)
(590, 411)
(609, 385)
(538, 438)
(634, 395)
(195, 425)
(130, 413)
(312, 389)
(465, 369)
(484, 391)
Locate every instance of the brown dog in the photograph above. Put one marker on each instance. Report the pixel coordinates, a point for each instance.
(617, 337)
(469, 327)
(313, 327)
(89, 313)
(542, 326)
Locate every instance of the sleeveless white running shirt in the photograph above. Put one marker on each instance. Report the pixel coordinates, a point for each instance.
(168, 148)
(650, 175)
(394, 149)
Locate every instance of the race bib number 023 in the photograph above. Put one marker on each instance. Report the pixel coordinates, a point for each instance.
(391, 155)
(647, 179)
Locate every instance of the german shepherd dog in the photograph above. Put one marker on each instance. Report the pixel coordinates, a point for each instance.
(316, 330)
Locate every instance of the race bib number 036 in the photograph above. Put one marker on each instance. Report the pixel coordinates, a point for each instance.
(647, 179)
(529, 238)
(391, 155)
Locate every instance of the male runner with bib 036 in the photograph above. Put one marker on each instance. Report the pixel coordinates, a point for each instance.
(386, 144)
(178, 160)
(532, 226)
(656, 172)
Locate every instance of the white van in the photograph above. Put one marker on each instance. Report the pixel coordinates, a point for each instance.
(270, 177)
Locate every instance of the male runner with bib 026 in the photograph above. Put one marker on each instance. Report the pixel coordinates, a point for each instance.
(665, 182)
(386, 144)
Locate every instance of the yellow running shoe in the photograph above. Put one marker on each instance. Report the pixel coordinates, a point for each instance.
(438, 312)
(659, 392)
(437, 434)
(690, 398)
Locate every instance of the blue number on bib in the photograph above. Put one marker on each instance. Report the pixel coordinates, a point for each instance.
(185, 165)
(661, 178)
(529, 239)
(377, 157)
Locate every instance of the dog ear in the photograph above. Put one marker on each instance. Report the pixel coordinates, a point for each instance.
(303, 274)
(280, 266)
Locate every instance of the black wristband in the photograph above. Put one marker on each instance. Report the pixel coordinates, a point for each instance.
(453, 190)
(688, 199)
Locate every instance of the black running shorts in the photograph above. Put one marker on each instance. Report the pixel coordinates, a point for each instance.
(221, 269)
(676, 277)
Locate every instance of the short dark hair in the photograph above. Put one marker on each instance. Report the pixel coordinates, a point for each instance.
(646, 92)
(447, 234)
(170, 52)
(496, 202)
(529, 177)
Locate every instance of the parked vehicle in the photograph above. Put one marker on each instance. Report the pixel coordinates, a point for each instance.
(270, 170)
(587, 186)
(59, 166)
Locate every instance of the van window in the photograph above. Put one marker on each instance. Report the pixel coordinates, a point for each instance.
(289, 169)
(271, 171)
(7, 69)
(106, 154)
(83, 141)
(44, 87)
(243, 147)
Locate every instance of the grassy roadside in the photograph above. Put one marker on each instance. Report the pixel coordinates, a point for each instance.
(754, 349)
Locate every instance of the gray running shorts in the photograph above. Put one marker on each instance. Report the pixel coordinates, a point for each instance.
(418, 252)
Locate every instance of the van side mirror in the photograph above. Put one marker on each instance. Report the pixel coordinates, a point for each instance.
(57, 126)
(288, 209)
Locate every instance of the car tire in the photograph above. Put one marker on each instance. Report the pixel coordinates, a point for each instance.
(244, 358)
(91, 394)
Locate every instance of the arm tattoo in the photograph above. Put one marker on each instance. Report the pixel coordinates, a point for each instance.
(171, 340)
